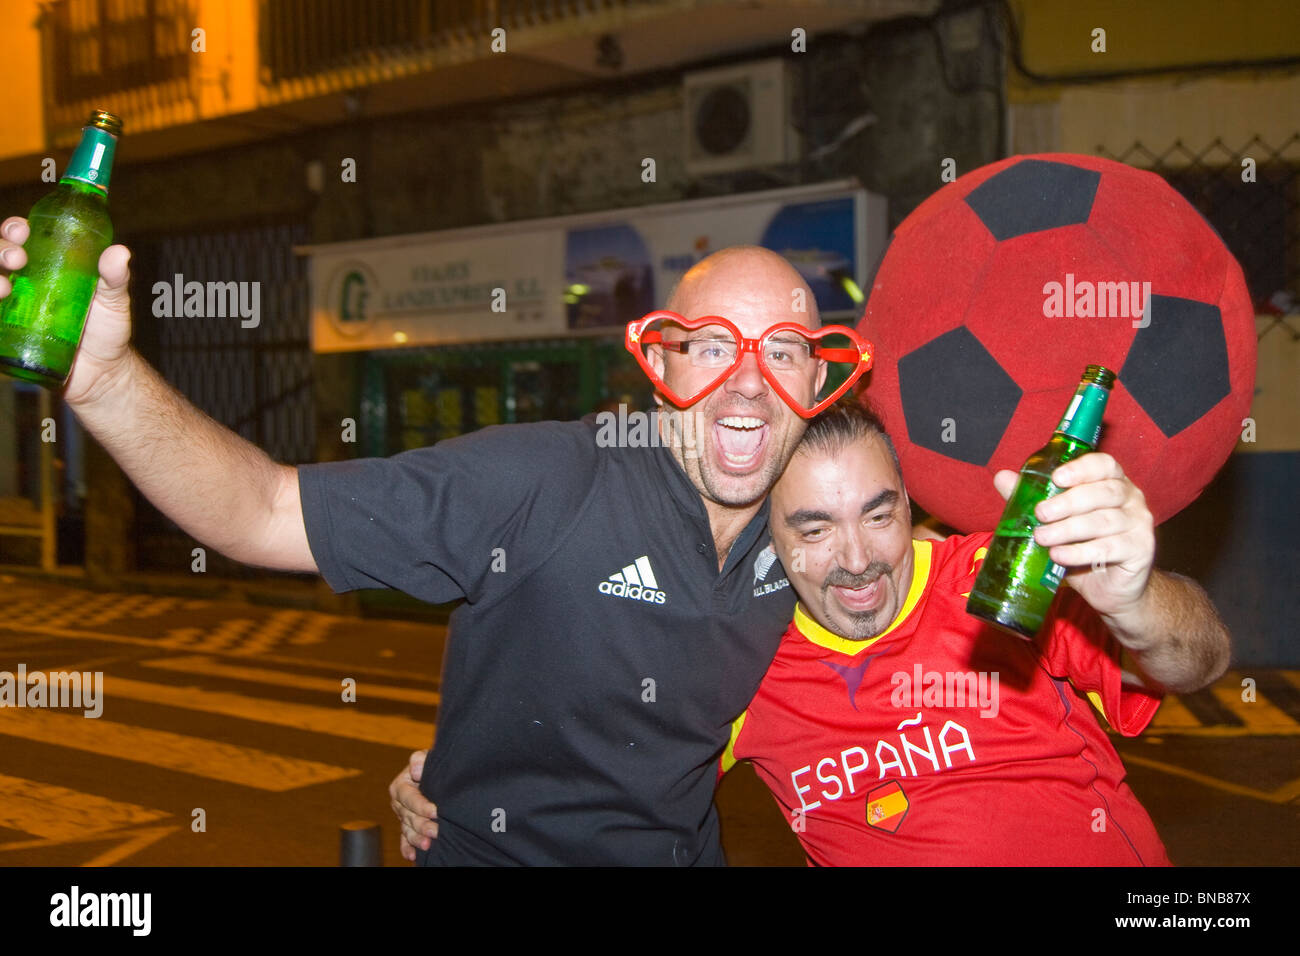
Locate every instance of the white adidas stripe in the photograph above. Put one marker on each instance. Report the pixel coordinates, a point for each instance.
(647, 576)
(637, 573)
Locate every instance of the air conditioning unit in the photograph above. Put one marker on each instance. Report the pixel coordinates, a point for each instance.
(738, 117)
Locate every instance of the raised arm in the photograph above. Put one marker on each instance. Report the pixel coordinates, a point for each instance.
(1102, 531)
(222, 490)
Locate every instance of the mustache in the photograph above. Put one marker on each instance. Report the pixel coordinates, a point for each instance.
(839, 578)
(738, 405)
(769, 399)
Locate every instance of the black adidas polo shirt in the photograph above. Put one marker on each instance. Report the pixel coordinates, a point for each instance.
(592, 675)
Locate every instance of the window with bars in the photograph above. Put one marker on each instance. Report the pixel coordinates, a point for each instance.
(257, 381)
(97, 47)
(297, 41)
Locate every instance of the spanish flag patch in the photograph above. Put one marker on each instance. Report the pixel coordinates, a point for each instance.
(887, 806)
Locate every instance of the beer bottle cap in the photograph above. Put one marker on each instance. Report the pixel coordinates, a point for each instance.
(1099, 375)
(108, 122)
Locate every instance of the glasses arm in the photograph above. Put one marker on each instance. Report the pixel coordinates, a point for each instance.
(838, 355)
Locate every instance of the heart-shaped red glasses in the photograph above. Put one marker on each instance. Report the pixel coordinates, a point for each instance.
(704, 352)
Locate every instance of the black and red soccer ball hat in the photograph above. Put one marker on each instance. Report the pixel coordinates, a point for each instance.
(981, 318)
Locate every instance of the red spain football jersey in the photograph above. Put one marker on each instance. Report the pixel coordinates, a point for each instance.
(944, 741)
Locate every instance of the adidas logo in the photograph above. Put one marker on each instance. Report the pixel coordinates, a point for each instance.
(636, 581)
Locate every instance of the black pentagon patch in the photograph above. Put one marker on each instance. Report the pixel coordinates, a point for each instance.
(955, 377)
(1177, 367)
(1034, 195)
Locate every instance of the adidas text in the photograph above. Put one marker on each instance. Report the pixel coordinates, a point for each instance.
(634, 591)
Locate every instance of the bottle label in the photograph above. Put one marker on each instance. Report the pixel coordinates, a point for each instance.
(93, 160)
(1082, 420)
(1052, 576)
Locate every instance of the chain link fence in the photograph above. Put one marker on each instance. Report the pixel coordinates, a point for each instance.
(1251, 195)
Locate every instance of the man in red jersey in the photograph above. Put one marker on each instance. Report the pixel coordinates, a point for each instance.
(894, 728)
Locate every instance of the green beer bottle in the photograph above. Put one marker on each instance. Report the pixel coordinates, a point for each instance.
(1018, 579)
(42, 318)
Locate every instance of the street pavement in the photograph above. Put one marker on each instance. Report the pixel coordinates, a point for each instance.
(235, 734)
(224, 739)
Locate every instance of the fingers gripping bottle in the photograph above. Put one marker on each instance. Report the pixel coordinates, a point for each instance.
(1018, 579)
(41, 320)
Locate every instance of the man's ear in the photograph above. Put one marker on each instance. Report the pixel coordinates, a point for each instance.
(822, 368)
(655, 356)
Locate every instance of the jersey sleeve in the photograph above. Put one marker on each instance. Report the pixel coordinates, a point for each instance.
(1080, 647)
(437, 522)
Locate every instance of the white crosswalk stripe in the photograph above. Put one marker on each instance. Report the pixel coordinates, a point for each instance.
(57, 813)
(229, 763)
(339, 720)
(56, 805)
(214, 668)
(241, 635)
(1254, 712)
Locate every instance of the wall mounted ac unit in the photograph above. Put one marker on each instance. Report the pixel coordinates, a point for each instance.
(738, 117)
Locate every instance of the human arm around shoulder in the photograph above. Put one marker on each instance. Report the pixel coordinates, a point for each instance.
(417, 815)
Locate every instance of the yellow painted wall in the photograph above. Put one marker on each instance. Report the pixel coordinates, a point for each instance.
(1056, 35)
(224, 77)
(228, 70)
(1234, 109)
(1276, 406)
(20, 53)
(1111, 115)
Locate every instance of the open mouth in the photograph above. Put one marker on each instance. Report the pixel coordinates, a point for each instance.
(740, 440)
(864, 598)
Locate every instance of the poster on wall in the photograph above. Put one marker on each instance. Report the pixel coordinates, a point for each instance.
(413, 291)
(617, 272)
(608, 274)
(579, 275)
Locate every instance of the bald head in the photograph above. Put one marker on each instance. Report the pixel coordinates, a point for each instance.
(745, 280)
(748, 433)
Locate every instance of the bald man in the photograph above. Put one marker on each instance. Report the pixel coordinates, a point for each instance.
(611, 628)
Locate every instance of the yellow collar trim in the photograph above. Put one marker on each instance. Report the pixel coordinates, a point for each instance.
(922, 552)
